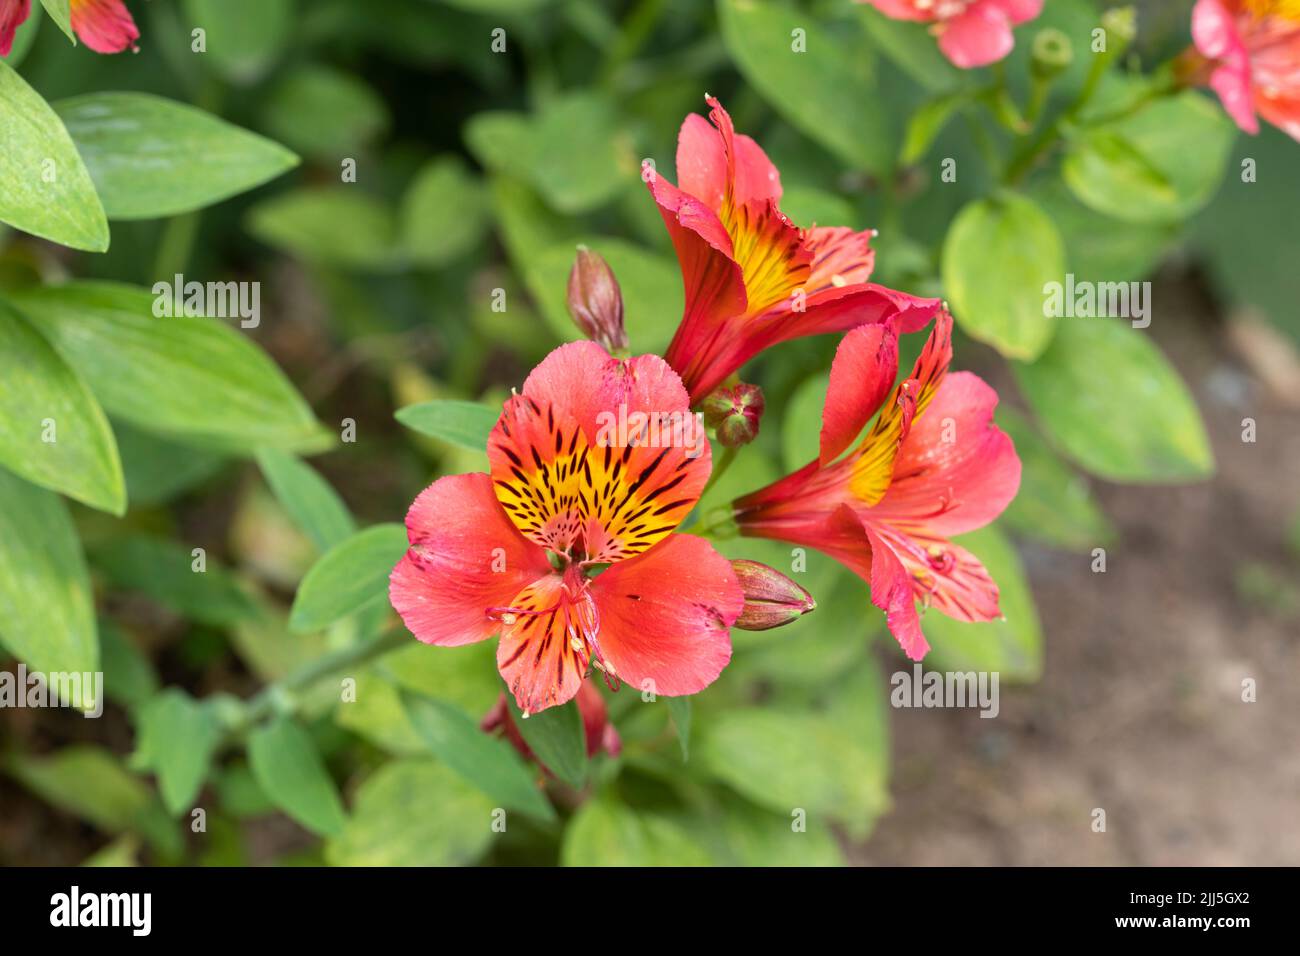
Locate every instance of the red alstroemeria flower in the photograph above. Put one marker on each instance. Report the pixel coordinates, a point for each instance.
(567, 548)
(599, 732)
(933, 465)
(752, 277)
(1248, 52)
(971, 32)
(103, 25)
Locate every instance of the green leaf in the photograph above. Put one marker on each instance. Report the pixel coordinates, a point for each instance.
(86, 781)
(52, 431)
(47, 189)
(1110, 400)
(305, 222)
(46, 610)
(556, 736)
(999, 255)
(1099, 248)
(414, 812)
(927, 123)
(61, 14)
(489, 763)
(1160, 165)
(325, 113)
(443, 214)
(1054, 503)
(1013, 646)
(796, 760)
(572, 151)
(349, 577)
(680, 708)
(151, 157)
(828, 92)
(176, 738)
(737, 833)
(158, 469)
(165, 571)
(290, 771)
(308, 498)
(607, 833)
(129, 677)
(243, 37)
(184, 375)
(466, 424)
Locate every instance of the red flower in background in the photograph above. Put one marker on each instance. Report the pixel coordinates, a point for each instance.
(752, 277)
(1248, 52)
(971, 32)
(932, 466)
(567, 548)
(103, 25)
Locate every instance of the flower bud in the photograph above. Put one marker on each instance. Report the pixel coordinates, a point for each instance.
(1052, 53)
(771, 598)
(596, 302)
(1120, 24)
(734, 413)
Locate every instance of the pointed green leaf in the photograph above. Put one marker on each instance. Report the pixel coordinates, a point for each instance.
(52, 431)
(46, 611)
(557, 737)
(47, 190)
(489, 763)
(308, 498)
(289, 769)
(467, 424)
(151, 157)
(176, 738)
(349, 577)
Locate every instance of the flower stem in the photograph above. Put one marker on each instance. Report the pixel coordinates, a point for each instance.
(719, 469)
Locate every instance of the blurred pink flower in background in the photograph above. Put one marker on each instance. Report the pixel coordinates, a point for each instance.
(1248, 52)
(971, 32)
(105, 26)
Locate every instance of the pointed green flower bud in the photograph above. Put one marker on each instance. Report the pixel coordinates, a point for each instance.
(771, 598)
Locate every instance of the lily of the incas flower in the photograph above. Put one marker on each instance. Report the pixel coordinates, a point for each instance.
(600, 733)
(1249, 54)
(971, 32)
(933, 465)
(752, 277)
(103, 25)
(567, 549)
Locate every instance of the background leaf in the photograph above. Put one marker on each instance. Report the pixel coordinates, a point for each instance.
(177, 736)
(557, 737)
(151, 157)
(289, 769)
(52, 431)
(1108, 398)
(308, 498)
(349, 577)
(48, 191)
(466, 424)
(46, 615)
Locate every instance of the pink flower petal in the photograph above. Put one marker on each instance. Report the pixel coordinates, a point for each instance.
(956, 471)
(863, 373)
(103, 25)
(978, 37)
(465, 558)
(714, 160)
(665, 616)
(13, 13)
(1019, 11)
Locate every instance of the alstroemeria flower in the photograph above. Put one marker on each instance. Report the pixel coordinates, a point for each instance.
(971, 32)
(103, 25)
(1249, 54)
(567, 549)
(752, 277)
(932, 466)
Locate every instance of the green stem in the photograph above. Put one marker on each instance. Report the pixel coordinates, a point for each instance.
(264, 703)
(719, 469)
